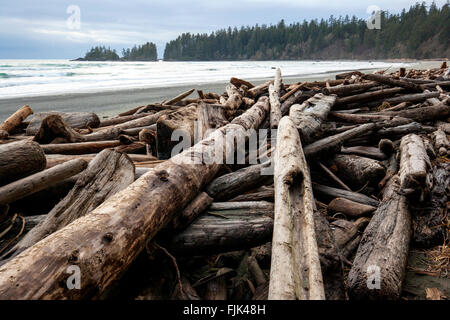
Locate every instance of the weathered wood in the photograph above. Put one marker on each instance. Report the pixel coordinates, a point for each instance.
(435, 112)
(402, 130)
(275, 103)
(255, 92)
(394, 83)
(20, 159)
(334, 177)
(350, 208)
(345, 231)
(132, 217)
(364, 151)
(382, 254)
(292, 90)
(39, 181)
(233, 102)
(79, 147)
(287, 104)
(358, 171)
(55, 159)
(15, 120)
(339, 193)
(123, 119)
(295, 269)
(209, 118)
(414, 164)
(179, 97)
(368, 96)
(334, 143)
(192, 211)
(109, 173)
(308, 117)
(224, 230)
(364, 118)
(411, 98)
(441, 143)
(78, 120)
(239, 82)
(183, 122)
(233, 184)
(347, 89)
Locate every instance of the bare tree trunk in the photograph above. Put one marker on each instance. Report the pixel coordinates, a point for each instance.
(295, 270)
(275, 104)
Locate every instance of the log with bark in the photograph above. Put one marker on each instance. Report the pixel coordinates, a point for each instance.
(379, 266)
(20, 159)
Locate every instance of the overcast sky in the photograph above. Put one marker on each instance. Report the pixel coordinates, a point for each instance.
(39, 29)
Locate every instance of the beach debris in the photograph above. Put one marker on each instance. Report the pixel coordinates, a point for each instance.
(268, 190)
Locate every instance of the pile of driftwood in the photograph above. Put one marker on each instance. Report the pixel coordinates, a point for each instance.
(360, 177)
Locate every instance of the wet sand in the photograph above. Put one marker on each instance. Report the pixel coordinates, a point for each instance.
(110, 103)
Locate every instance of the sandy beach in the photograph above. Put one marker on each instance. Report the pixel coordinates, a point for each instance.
(110, 103)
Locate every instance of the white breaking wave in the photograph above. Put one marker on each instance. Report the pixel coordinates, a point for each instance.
(24, 78)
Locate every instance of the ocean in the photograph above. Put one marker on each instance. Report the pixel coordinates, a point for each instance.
(29, 78)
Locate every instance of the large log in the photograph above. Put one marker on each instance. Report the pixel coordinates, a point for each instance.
(55, 159)
(379, 267)
(15, 120)
(39, 181)
(78, 120)
(104, 242)
(179, 97)
(20, 159)
(209, 118)
(233, 102)
(109, 173)
(441, 143)
(120, 120)
(295, 269)
(308, 117)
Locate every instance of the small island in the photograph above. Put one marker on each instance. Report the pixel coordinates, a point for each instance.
(145, 52)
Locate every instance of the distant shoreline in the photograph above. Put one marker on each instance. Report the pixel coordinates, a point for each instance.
(107, 103)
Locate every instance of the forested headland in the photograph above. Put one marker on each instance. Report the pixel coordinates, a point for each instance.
(419, 32)
(145, 52)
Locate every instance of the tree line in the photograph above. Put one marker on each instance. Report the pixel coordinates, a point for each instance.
(420, 32)
(145, 52)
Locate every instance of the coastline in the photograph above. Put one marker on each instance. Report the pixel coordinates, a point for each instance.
(110, 102)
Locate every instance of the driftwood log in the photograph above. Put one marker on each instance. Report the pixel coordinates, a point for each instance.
(379, 267)
(14, 120)
(39, 181)
(295, 270)
(20, 159)
(78, 120)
